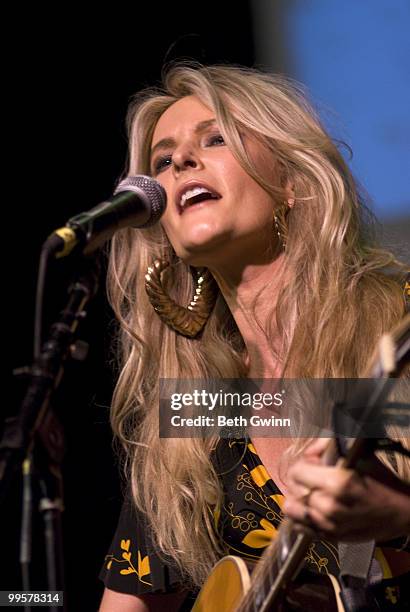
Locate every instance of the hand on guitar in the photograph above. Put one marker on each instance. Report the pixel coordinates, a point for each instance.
(341, 504)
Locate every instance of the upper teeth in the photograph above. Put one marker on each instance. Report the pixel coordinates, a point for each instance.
(191, 193)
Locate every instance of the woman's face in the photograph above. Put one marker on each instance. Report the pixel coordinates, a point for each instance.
(215, 209)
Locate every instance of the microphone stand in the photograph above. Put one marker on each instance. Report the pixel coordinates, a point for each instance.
(34, 438)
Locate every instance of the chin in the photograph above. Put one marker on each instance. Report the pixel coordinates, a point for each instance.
(201, 252)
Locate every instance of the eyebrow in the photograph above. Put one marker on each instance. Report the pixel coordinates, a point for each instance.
(166, 143)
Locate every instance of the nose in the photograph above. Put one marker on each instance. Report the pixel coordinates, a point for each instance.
(184, 157)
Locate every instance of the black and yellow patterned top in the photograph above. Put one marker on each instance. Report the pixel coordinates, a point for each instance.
(247, 521)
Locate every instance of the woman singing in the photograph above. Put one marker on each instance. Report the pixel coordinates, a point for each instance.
(264, 225)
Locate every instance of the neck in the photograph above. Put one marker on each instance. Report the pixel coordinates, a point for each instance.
(251, 294)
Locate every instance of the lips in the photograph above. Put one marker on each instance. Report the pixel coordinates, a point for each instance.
(192, 193)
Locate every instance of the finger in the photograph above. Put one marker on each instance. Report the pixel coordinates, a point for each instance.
(329, 507)
(345, 525)
(322, 504)
(298, 512)
(343, 484)
(309, 517)
(294, 508)
(322, 523)
(317, 447)
(297, 491)
(308, 475)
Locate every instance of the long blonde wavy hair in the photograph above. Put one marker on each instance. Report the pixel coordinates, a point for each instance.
(337, 302)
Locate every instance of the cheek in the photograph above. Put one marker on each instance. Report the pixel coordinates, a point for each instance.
(170, 210)
(239, 182)
(169, 228)
(254, 201)
(162, 180)
(166, 224)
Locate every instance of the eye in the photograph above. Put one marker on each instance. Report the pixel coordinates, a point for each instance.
(161, 163)
(215, 140)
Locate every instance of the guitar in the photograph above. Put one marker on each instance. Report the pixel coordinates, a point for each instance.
(277, 581)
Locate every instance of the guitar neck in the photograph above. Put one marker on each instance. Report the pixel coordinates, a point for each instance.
(277, 567)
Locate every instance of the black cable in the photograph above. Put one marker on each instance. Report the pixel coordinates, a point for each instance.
(50, 246)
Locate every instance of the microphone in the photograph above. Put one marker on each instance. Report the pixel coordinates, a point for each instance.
(138, 201)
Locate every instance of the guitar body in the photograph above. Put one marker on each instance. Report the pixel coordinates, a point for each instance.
(230, 580)
(225, 587)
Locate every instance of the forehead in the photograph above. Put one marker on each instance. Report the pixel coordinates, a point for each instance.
(183, 114)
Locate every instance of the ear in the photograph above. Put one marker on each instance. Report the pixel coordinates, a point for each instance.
(288, 187)
(290, 193)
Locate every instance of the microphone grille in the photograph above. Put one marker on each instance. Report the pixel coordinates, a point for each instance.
(154, 192)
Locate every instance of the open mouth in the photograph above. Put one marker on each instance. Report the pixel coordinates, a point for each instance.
(195, 196)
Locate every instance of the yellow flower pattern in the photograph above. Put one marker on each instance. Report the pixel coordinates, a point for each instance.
(142, 569)
(247, 521)
(260, 538)
(254, 486)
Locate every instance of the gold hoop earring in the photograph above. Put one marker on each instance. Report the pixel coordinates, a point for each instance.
(188, 321)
